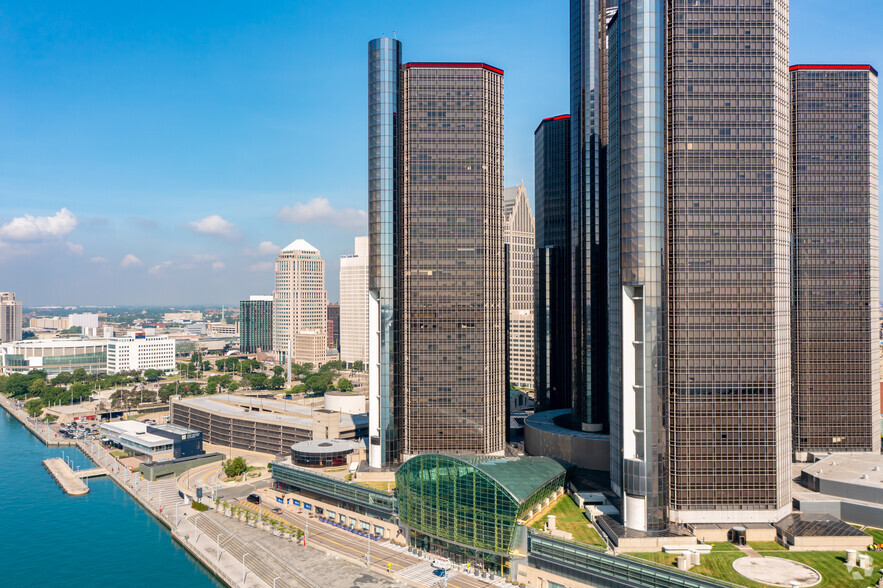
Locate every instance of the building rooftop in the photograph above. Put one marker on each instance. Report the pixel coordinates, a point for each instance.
(299, 245)
(520, 476)
(282, 412)
(863, 469)
(841, 66)
(319, 446)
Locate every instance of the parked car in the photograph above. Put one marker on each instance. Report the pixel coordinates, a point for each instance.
(254, 499)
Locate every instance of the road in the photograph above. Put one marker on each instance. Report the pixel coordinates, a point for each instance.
(384, 555)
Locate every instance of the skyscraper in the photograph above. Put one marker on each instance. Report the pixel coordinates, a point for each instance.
(10, 317)
(552, 317)
(299, 299)
(728, 240)
(836, 337)
(333, 339)
(354, 303)
(436, 276)
(588, 209)
(256, 324)
(636, 248)
(518, 234)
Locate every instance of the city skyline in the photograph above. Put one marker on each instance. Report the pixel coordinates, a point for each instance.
(122, 209)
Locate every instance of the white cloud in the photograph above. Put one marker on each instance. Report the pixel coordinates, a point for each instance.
(320, 211)
(74, 248)
(39, 228)
(130, 261)
(262, 266)
(218, 266)
(263, 248)
(99, 260)
(214, 225)
(157, 270)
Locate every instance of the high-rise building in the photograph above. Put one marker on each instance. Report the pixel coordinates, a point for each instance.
(518, 235)
(835, 320)
(437, 268)
(552, 317)
(10, 317)
(728, 241)
(698, 223)
(354, 303)
(256, 324)
(588, 209)
(299, 299)
(333, 325)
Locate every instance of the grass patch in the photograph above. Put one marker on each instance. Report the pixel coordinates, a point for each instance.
(667, 559)
(876, 534)
(118, 453)
(723, 546)
(385, 486)
(766, 546)
(570, 518)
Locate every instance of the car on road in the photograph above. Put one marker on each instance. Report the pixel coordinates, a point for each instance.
(277, 510)
(254, 499)
(442, 563)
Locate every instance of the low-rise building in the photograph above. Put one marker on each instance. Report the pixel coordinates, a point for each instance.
(261, 424)
(138, 351)
(54, 355)
(311, 347)
(147, 439)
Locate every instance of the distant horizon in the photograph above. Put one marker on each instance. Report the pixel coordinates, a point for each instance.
(152, 157)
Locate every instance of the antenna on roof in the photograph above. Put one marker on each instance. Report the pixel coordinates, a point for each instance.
(394, 34)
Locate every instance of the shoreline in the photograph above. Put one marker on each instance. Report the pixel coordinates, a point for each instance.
(94, 456)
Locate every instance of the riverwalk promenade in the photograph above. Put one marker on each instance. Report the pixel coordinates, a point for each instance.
(40, 429)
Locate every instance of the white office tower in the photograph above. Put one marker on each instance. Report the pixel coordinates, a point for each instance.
(299, 299)
(518, 233)
(87, 321)
(354, 303)
(139, 351)
(10, 317)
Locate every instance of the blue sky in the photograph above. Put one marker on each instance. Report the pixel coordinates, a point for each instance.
(157, 153)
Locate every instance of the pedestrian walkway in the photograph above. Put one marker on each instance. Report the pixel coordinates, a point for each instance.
(424, 573)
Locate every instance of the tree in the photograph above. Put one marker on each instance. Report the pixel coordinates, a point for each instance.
(233, 386)
(278, 370)
(211, 386)
(79, 374)
(36, 386)
(257, 381)
(220, 364)
(206, 366)
(276, 382)
(78, 390)
(34, 407)
(359, 365)
(63, 378)
(307, 367)
(152, 375)
(344, 385)
(234, 467)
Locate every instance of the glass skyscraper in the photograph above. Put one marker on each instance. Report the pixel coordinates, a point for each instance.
(437, 369)
(552, 317)
(836, 324)
(256, 324)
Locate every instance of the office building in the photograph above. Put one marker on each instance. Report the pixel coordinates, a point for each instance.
(311, 347)
(299, 299)
(518, 235)
(54, 355)
(588, 223)
(835, 320)
(138, 352)
(256, 324)
(333, 325)
(354, 303)
(52, 323)
(436, 274)
(10, 317)
(552, 316)
(86, 321)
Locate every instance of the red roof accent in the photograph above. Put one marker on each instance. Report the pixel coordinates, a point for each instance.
(559, 117)
(434, 64)
(834, 66)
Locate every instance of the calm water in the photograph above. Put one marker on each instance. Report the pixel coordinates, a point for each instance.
(104, 538)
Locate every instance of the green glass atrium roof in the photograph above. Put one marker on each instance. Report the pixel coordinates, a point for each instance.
(520, 476)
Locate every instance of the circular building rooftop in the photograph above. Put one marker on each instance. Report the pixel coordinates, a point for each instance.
(323, 452)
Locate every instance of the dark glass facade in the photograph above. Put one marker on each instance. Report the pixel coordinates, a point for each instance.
(728, 255)
(552, 315)
(636, 263)
(255, 326)
(469, 507)
(588, 137)
(384, 66)
(836, 401)
(451, 323)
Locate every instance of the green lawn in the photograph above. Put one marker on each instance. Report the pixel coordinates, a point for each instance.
(831, 564)
(570, 518)
(385, 486)
(877, 534)
(766, 546)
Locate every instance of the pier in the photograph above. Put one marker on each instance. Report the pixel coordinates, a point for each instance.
(92, 473)
(68, 479)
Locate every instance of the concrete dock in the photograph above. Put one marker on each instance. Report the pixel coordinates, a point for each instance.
(65, 476)
(92, 473)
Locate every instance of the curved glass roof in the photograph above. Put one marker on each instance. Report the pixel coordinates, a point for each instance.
(519, 476)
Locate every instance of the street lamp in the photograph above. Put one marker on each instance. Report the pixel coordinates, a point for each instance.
(243, 568)
(219, 548)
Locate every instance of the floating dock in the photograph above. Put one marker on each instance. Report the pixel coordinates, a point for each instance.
(68, 479)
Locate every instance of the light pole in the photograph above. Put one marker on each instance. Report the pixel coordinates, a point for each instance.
(218, 561)
(274, 581)
(243, 568)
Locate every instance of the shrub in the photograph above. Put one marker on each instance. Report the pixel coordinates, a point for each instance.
(199, 507)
